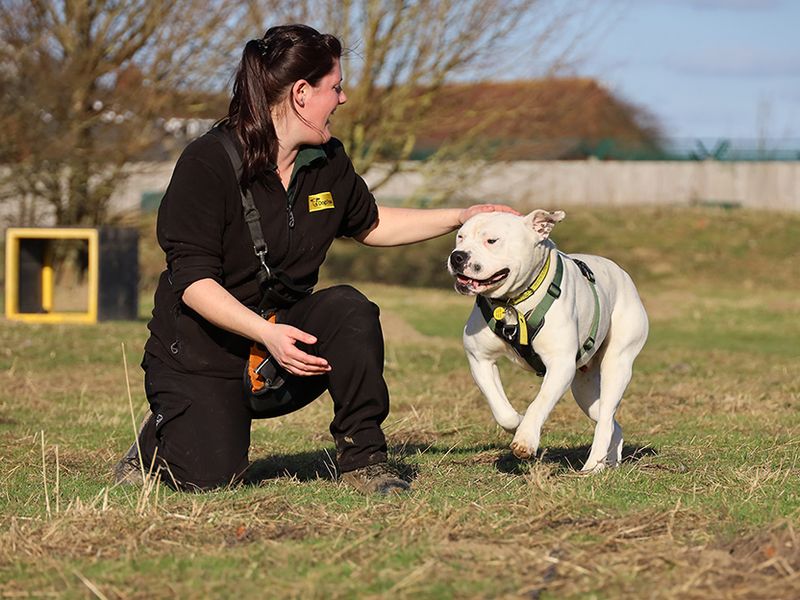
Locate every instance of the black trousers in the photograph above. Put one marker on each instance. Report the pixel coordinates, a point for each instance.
(200, 433)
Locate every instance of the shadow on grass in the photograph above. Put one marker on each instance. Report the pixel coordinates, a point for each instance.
(319, 464)
(567, 458)
(307, 466)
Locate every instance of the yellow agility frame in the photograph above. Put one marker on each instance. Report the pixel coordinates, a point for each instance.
(13, 237)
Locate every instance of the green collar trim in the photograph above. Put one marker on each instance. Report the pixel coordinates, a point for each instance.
(307, 155)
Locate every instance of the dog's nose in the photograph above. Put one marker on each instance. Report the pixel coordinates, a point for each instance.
(458, 258)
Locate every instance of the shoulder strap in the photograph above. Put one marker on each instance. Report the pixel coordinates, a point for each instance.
(251, 215)
(269, 280)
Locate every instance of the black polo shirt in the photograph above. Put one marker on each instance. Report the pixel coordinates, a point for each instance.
(202, 230)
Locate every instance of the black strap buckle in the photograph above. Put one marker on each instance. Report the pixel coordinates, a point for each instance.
(262, 258)
(585, 270)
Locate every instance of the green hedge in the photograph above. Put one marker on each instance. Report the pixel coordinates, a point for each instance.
(705, 244)
(418, 265)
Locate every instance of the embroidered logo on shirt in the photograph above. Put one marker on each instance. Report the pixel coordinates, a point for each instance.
(322, 201)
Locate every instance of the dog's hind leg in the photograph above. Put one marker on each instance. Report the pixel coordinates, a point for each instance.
(607, 443)
(625, 340)
(614, 457)
(586, 391)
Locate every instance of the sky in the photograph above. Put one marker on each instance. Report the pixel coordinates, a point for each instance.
(705, 68)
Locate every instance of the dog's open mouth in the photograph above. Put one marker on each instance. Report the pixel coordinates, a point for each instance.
(466, 284)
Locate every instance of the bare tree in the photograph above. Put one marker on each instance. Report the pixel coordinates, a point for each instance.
(83, 82)
(405, 51)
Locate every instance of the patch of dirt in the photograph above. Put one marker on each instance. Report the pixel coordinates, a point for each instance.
(397, 329)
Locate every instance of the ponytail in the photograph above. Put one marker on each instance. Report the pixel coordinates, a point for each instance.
(266, 73)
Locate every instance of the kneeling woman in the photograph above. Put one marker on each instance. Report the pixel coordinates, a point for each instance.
(306, 194)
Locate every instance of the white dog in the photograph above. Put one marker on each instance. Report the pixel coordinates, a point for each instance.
(592, 327)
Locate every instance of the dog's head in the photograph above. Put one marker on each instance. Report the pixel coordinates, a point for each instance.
(498, 254)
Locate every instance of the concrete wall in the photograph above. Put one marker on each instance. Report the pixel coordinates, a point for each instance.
(767, 185)
(528, 184)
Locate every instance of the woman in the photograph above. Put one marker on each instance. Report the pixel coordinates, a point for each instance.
(303, 184)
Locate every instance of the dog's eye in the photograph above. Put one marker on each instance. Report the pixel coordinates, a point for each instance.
(491, 240)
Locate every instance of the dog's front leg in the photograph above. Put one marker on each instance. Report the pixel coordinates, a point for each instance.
(487, 377)
(554, 385)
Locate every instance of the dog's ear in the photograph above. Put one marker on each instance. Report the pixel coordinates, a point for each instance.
(543, 221)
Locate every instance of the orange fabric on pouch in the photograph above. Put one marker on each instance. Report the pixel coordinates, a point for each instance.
(257, 356)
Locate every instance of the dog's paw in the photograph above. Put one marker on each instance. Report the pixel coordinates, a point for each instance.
(522, 450)
(593, 467)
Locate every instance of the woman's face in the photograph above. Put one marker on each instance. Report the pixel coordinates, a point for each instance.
(317, 103)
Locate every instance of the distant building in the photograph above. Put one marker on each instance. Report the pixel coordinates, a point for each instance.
(542, 119)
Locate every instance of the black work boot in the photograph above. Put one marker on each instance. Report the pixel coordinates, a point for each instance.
(128, 471)
(378, 479)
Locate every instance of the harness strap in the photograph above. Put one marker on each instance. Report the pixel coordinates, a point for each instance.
(590, 341)
(266, 276)
(536, 316)
(512, 334)
(519, 330)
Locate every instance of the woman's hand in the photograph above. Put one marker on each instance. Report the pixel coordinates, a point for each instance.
(281, 342)
(214, 303)
(471, 211)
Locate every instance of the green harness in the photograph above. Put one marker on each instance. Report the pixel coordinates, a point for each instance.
(519, 330)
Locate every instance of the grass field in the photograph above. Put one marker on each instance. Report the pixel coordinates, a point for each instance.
(705, 505)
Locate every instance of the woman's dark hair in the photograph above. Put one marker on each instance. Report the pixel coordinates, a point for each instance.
(268, 69)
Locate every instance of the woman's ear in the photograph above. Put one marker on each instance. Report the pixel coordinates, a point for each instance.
(299, 90)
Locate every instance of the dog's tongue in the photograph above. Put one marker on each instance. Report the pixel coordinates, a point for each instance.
(475, 285)
(469, 282)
